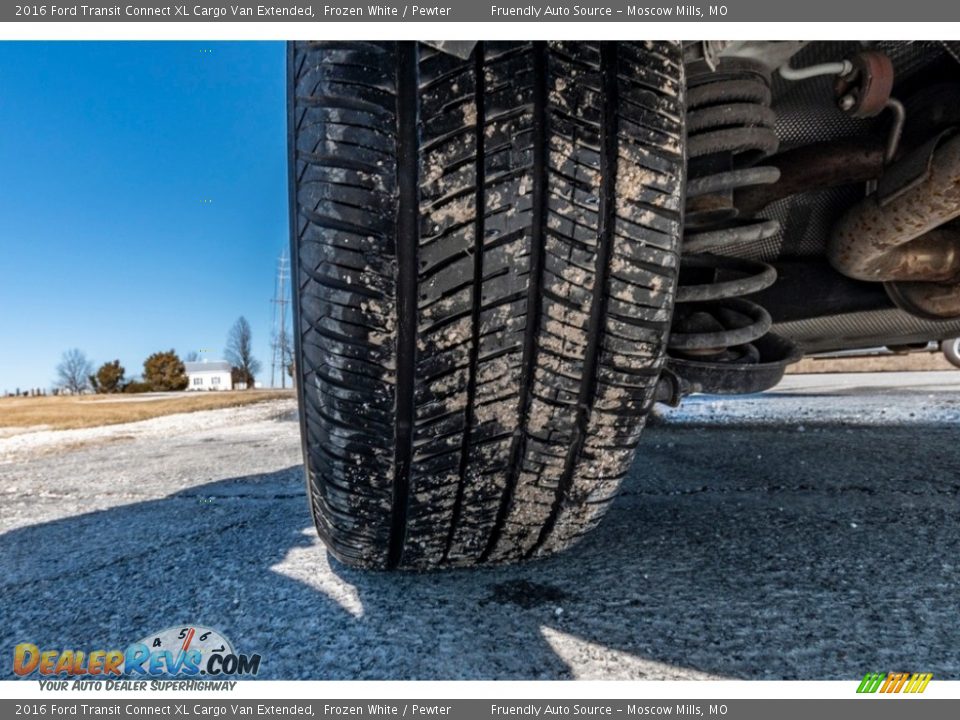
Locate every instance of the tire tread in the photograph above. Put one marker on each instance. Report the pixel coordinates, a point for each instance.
(486, 253)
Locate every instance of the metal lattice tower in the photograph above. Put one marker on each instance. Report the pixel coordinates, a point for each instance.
(281, 338)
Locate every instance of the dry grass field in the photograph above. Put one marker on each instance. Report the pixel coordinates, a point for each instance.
(22, 414)
(68, 413)
(914, 362)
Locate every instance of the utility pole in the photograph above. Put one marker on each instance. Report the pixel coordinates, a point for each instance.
(281, 339)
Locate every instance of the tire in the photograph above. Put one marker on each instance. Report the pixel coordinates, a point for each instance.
(473, 384)
(951, 351)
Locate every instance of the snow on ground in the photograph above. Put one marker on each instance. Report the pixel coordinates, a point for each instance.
(860, 398)
(23, 443)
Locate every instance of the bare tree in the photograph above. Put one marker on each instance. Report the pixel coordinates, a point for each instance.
(286, 356)
(191, 356)
(239, 352)
(74, 371)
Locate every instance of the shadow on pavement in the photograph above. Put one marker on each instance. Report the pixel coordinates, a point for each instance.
(738, 553)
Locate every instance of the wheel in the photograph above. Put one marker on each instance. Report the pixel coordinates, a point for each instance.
(951, 351)
(486, 254)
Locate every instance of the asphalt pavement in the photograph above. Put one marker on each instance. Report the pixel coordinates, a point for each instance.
(810, 532)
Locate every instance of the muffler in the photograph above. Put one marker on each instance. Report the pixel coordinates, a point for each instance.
(904, 240)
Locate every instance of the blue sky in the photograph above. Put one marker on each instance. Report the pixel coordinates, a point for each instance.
(142, 200)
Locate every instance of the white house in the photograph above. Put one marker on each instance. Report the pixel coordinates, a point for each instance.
(208, 375)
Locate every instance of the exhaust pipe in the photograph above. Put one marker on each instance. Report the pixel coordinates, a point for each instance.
(902, 242)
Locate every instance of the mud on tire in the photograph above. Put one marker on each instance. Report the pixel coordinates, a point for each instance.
(486, 253)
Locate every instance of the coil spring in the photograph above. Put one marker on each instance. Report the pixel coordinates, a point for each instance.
(730, 128)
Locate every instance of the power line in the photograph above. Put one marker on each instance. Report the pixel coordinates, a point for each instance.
(281, 338)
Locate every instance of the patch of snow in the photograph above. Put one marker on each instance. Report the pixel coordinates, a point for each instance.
(26, 443)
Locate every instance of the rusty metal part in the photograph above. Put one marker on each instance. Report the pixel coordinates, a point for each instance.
(729, 127)
(760, 139)
(711, 316)
(686, 375)
(721, 239)
(710, 208)
(864, 91)
(929, 300)
(724, 324)
(899, 113)
(723, 277)
(813, 167)
(728, 110)
(868, 234)
(720, 182)
(720, 341)
(900, 241)
(910, 169)
(933, 257)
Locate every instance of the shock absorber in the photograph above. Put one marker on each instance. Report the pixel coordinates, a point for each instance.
(720, 340)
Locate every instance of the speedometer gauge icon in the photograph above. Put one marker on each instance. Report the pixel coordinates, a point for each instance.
(183, 638)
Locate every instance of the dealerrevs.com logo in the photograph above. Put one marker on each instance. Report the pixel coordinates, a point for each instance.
(190, 651)
(895, 682)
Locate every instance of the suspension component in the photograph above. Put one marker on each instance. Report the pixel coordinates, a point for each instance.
(730, 127)
(827, 164)
(713, 320)
(720, 341)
